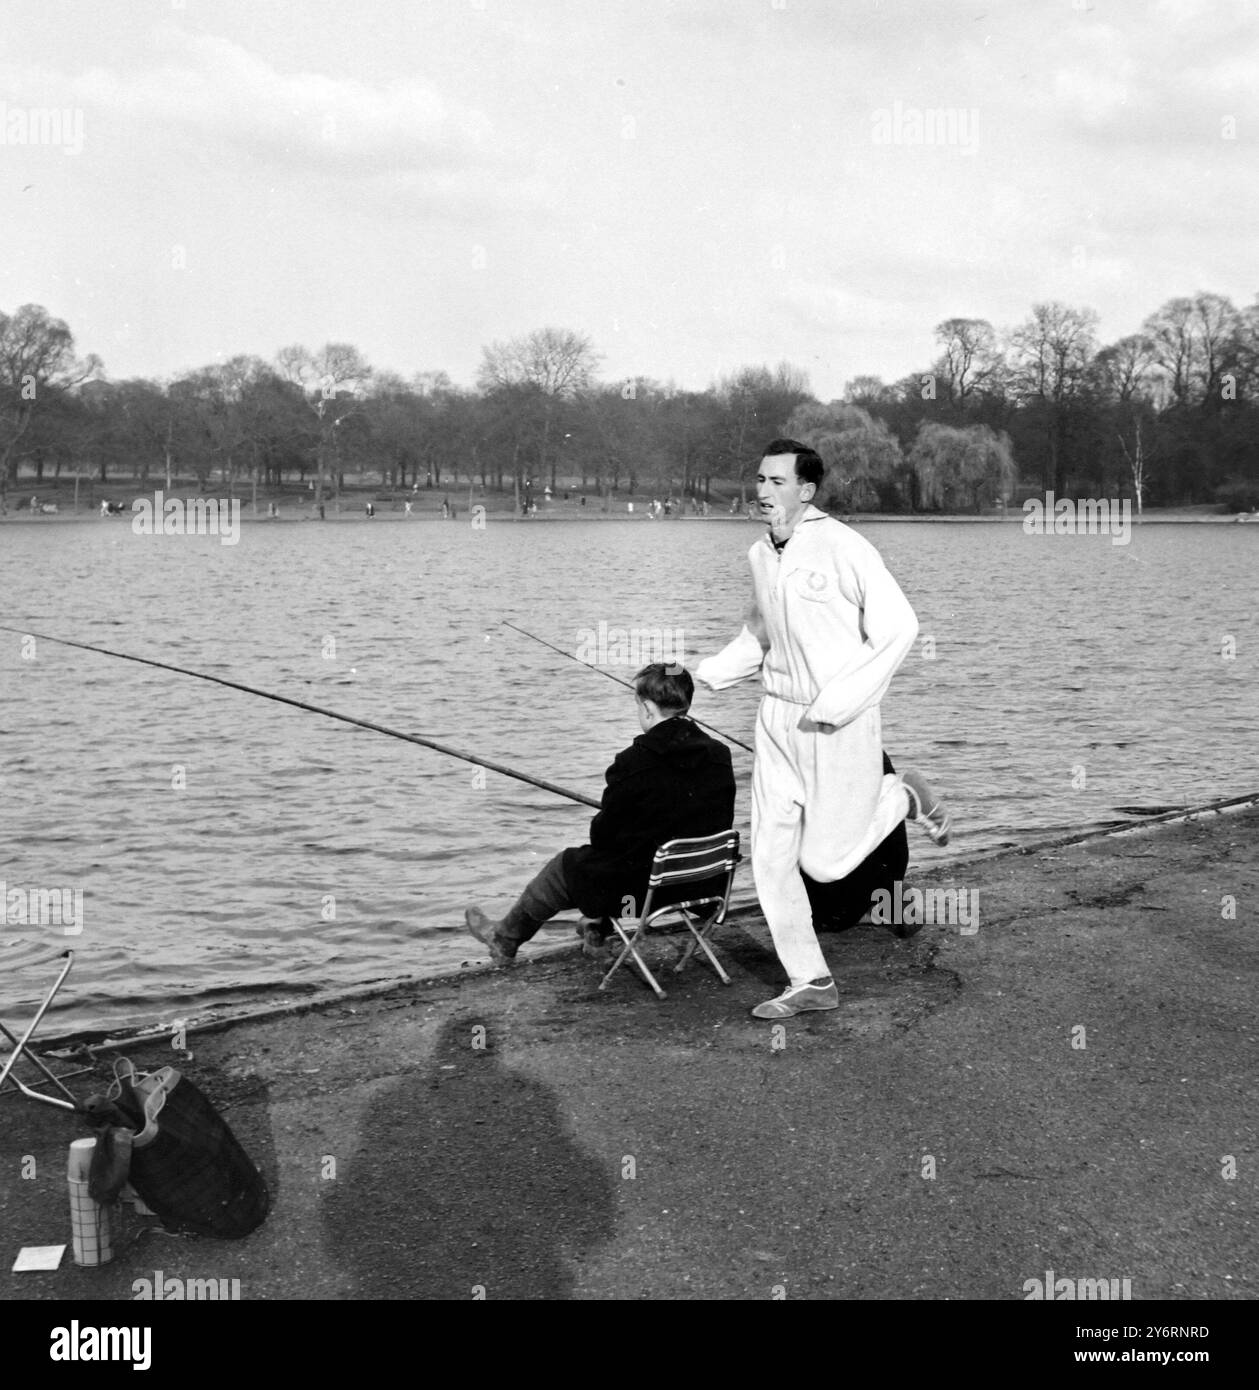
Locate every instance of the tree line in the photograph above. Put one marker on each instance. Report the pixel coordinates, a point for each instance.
(1166, 416)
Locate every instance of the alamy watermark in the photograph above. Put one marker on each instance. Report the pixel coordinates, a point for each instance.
(924, 907)
(1064, 1289)
(42, 907)
(42, 125)
(952, 126)
(161, 1289)
(84, 1343)
(199, 516)
(632, 646)
(1091, 516)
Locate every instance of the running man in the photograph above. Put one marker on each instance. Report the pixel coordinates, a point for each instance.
(827, 628)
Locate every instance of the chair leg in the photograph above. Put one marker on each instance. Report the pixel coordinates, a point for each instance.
(11, 1086)
(21, 1045)
(35, 1059)
(713, 961)
(629, 951)
(698, 941)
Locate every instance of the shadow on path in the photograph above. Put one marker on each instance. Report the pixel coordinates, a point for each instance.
(465, 1179)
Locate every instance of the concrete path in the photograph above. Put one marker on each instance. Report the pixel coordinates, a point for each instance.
(1072, 1088)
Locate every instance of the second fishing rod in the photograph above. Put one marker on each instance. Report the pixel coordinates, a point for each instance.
(629, 685)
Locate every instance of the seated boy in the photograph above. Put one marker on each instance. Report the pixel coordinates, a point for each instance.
(672, 782)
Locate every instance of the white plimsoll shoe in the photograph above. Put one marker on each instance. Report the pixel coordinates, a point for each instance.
(799, 998)
(925, 807)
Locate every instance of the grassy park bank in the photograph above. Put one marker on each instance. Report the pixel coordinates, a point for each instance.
(291, 506)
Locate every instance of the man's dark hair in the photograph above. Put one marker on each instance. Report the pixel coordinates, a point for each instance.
(669, 687)
(809, 465)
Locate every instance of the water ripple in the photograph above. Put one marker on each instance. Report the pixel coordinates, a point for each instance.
(227, 845)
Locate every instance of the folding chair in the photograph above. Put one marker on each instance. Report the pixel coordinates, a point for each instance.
(704, 859)
(20, 1046)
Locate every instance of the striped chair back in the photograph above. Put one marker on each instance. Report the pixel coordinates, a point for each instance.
(693, 860)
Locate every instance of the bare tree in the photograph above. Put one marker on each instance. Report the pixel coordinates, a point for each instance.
(1130, 383)
(1170, 330)
(36, 358)
(1136, 458)
(970, 356)
(1217, 326)
(1247, 351)
(1053, 350)
(1124, 368)
(757, 402)
(555, 360)
(1195, 338)
(333, 380)
(555, 363)
(867, 391)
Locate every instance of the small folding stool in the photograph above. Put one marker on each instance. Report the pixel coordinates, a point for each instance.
(21, 1048)
(708, 860)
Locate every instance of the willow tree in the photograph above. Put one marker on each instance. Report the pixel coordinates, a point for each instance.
(974, 465)
(861, 454)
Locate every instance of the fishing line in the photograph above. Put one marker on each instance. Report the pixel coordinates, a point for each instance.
(627, 684)
(317, 709)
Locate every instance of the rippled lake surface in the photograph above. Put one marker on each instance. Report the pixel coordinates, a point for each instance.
(1056, 679)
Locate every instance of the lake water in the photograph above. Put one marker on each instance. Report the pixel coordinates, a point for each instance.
(1065, 676)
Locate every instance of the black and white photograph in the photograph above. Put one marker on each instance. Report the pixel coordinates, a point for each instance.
(628, 668)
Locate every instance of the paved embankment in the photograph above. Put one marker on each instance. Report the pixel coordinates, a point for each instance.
(1066, 1089)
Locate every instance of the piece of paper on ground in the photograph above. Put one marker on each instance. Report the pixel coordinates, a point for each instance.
(38, 1257)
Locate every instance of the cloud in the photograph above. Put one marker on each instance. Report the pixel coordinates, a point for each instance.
(215, 91)
(1161, 85)
(803, 24)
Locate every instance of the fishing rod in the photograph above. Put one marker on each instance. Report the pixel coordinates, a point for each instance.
(627, 684)
(316, 709)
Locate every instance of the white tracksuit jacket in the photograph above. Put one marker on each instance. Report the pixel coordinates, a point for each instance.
(828, 628)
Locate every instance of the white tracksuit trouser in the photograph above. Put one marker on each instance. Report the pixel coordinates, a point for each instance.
(820, 802)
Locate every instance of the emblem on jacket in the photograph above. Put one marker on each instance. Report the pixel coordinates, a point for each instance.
(813, 584)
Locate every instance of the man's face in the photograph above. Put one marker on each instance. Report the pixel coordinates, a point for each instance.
(781, 495)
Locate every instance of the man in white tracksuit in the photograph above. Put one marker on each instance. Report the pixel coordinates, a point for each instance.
(827, 629)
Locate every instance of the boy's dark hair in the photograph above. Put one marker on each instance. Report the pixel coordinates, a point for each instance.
(669, 687)
(809, 465)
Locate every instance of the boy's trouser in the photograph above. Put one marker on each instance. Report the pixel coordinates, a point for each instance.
(546, 894)
(821, 803)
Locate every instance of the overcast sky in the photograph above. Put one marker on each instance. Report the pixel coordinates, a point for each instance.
(694, 184)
